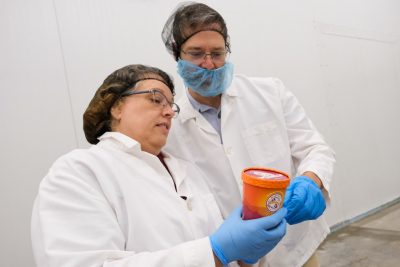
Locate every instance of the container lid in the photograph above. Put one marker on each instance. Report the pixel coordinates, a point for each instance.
(265, 177)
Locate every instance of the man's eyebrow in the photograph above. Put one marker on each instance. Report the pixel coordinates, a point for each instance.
(200, 48)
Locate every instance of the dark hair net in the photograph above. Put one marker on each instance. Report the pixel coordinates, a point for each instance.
(188, 19)
(97, 117)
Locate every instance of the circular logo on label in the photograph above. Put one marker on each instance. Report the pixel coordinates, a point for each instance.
(274, 202)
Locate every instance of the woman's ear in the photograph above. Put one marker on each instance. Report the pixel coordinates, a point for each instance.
(116, 112)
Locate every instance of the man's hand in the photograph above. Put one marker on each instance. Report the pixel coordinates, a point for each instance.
(303, 200)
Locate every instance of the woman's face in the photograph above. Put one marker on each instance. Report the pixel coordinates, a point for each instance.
(140, 118)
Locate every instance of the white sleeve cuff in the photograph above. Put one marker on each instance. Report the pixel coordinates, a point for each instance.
(198, 253)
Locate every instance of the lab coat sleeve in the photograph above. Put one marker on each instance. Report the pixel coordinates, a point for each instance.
(73, 224)
(192, 253)
(309, 150)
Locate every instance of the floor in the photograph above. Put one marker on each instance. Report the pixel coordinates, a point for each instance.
(372, 241)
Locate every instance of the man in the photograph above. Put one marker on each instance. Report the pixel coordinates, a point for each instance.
(230, 122)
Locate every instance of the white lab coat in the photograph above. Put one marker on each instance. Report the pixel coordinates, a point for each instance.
(262, 124)
(114, 205)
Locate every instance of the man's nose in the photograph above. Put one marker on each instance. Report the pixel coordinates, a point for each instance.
(208, 62)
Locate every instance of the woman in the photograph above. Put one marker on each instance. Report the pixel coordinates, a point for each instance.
(123, 202)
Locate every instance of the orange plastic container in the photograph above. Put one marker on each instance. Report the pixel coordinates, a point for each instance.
(263, 191)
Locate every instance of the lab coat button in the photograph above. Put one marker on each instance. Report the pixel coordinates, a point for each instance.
(228, 151)
(189, 206)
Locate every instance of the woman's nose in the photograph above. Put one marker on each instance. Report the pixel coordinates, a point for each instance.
(168, 111)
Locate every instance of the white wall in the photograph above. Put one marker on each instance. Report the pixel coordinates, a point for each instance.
(341, 58)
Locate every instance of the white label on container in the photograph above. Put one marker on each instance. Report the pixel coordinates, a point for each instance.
(274, 202)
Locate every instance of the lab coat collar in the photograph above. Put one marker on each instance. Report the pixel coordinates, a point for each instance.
(178, 170)
(187, 110)
(189, 113)
(198, 106)
(232, 90)
(120, 141)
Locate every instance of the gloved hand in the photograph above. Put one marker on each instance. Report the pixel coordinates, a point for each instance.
(303, 200)
(248, 240)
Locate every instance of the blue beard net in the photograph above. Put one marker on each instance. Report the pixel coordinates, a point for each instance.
(203, 81)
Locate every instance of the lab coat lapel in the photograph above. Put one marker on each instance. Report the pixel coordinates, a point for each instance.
(178, 171)
(227, 104)
(188, 112)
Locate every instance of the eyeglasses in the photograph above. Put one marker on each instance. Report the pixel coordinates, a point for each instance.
(197, 56)
(158, 99)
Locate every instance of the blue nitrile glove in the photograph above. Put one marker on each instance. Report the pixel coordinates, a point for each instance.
(249, 240)
(303, 200)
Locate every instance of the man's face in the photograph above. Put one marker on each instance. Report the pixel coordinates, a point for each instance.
(210, 45)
